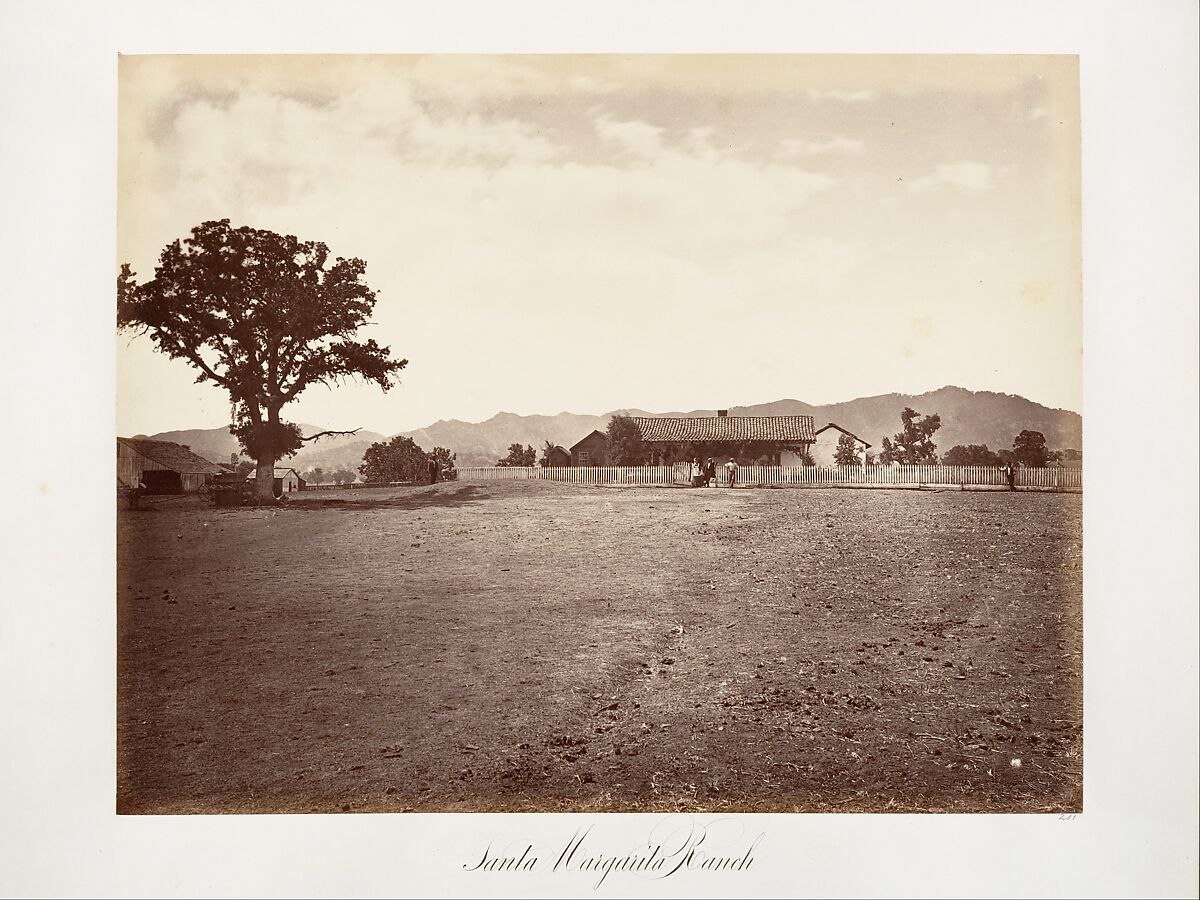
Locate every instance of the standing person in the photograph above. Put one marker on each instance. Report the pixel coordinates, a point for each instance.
(1011, 472)
(695, 473)
(731, 468)
(710, 472)
(433, 470)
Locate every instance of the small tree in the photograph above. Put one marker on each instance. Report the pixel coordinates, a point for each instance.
(263, 316)
(315, 475)
(971, 455)
(343, 476)
(913, 444)
(445, 461)
(399, 459)
(625, 445)
(518, 456)
(1029, 449)
(847, 453)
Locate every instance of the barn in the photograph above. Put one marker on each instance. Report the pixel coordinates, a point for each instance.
(591, 450)
(763, 440)
(824, 449)
(163, 467)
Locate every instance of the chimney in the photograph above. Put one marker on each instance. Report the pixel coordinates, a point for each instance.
(722, 413)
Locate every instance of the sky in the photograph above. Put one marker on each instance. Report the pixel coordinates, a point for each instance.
(588, 233)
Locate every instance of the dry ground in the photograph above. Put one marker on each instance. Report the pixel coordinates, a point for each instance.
(533, 645)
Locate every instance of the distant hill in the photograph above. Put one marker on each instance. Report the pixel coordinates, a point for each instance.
(968, 417)
(330, 452)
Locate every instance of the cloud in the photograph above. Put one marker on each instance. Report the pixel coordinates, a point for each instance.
(971, 177)
(791, 148)
(817, 95)
(470, 78)
(636, 137)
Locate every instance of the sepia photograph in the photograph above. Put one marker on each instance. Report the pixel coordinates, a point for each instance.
(624, 450)
(592, 433)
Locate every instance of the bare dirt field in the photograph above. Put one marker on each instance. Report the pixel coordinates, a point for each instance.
(544, 646)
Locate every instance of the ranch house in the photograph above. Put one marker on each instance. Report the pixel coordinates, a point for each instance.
(591, 450)
(751, 440)
(824, 449)
(164, 467)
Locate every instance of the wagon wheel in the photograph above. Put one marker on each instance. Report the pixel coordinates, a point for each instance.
(206, 491)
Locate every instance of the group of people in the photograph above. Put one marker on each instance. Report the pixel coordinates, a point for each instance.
(705, 474)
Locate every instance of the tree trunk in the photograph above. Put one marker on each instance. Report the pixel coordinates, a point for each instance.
(264, 482)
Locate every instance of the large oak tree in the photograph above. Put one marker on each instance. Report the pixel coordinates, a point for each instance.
(263, 316)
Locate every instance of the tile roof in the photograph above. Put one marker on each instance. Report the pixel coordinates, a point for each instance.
(734, 429)
(175, 457)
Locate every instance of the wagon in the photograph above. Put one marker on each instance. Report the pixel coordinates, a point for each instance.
(227, 489)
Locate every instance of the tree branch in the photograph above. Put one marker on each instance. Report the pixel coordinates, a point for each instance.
(321, 434)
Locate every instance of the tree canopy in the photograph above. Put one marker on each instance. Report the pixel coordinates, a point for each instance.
(1029, 449)
(847, 452)
(518, 456)
(625, 445)
(913, 444)
(263, 316)
(971, 455)
(399, 459)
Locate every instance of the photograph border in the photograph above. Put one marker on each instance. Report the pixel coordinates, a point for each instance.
(1137, 834)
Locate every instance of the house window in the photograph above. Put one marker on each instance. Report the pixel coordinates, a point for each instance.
(584, 458)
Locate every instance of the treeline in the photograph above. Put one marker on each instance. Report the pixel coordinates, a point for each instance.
(399, 459)
(913, 444)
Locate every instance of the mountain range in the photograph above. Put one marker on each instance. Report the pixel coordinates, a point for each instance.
(968, 417)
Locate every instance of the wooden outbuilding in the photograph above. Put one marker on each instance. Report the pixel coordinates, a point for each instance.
(162, 466)
(591, 450)
(556, 456)
(287, 481)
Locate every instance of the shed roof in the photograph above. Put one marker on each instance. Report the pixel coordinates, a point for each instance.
(174, 457)
(730, 429)
(278, 472)
(837, 427)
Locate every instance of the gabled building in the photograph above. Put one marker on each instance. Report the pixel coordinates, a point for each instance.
(286, 481)
(591, 450)
(162, 466)
(556, 456)
(824, 449)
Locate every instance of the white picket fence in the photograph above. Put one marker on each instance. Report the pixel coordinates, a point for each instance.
(814, 476)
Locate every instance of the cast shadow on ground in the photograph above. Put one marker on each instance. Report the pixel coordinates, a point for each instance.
(441, 496)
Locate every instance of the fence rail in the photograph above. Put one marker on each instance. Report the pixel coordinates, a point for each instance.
(1063, 479)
